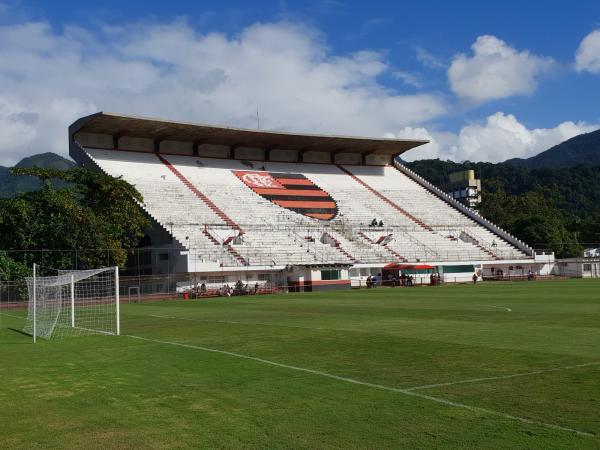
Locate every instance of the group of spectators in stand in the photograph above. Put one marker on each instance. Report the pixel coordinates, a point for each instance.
(226, 291)
(375, 223)
(238, 289)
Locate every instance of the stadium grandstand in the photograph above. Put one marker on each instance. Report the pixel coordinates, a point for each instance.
(313, 211)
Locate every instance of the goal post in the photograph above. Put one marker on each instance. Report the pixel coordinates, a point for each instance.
(65, 303)
(34, 304)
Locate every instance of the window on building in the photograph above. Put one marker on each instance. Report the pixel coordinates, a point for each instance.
(459, 269)
(330, 274)
(215, 279)
(587, 267)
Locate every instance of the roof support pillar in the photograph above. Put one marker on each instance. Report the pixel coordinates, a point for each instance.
(268, 152)
(301, 153)
(116, 137)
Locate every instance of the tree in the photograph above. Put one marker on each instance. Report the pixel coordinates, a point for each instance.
(590, 230)
(95, 218)
(11, 269)
(531, 217)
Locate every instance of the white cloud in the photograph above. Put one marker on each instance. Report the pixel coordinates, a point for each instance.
(499, 138)
(587, 57)
(495, 71)
(429, 60)
(439, 145)
(49, 78)
(409, 78)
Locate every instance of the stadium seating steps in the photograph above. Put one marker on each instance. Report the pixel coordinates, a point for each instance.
(206, 206)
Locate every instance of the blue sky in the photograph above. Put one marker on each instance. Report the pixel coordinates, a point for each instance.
(481, 80)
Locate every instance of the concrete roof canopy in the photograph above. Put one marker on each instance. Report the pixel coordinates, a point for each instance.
(159, 129)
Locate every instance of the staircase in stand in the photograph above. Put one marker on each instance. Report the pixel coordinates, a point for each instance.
(339, 247)
(207, 201)
(393, 252)
(476, 243)
(233, 252)
(385, 199)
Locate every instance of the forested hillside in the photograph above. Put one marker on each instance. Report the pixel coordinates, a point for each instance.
(547, 208)
(10, 185)
(580, 150)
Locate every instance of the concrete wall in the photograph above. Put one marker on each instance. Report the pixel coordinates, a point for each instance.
(317, 157)
(249, 153)
(94, 139)
(136, 144)
(176, 147)
(283, 155)
(348, 158)
(213, 151)
(377, 160)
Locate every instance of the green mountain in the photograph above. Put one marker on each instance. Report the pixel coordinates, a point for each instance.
(11, 185)
(580, 150)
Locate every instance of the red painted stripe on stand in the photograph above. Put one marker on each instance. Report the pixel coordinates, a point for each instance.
(339, 247)
(385, 199)
(229, 248)
(291, 192)
(320, 216)
(295, 181)
(371, 241)
(207, 201)
(304, 204)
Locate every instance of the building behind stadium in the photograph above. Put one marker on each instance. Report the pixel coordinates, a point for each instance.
(306, 211)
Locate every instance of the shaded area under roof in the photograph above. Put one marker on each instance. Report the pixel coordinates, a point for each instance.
(159, 130)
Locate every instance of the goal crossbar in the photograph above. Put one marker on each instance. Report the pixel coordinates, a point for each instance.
(73, 303)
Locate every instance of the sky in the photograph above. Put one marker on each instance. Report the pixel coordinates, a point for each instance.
(482, 81)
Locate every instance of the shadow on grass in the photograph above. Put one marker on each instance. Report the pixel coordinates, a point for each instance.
(16, 331)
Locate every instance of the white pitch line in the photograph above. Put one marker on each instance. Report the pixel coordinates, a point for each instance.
(504, 377)
(373, 385)
(12, 315)
(426, 386)
(497, 307)
(233, 322)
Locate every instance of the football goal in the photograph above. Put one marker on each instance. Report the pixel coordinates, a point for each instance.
(73, 303)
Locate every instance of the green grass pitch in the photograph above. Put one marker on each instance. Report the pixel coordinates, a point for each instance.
(485, 366)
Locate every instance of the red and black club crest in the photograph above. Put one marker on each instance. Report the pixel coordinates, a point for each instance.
(292, 191)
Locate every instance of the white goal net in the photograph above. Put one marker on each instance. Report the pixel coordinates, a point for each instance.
(73, 303)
